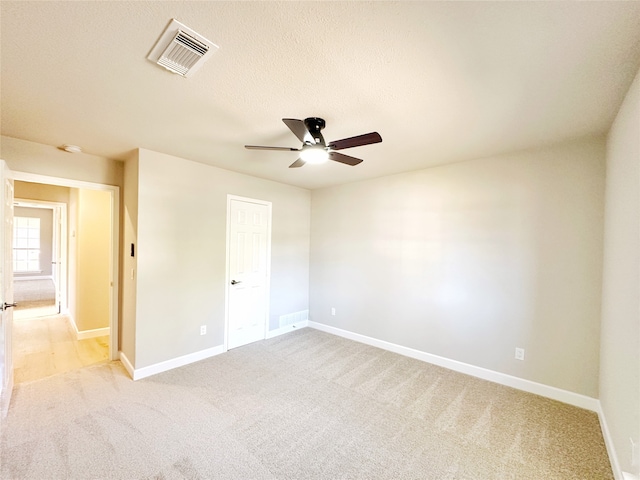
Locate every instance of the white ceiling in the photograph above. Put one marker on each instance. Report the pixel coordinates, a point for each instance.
(440, 81)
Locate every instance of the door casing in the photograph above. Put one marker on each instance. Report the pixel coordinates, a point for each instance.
(228, 278)
(59, 257)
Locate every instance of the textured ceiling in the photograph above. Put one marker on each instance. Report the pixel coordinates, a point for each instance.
(440, 81)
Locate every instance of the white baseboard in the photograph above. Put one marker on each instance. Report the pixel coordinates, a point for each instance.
(554, 393)
(17, 278)
(287, 329)
(97, 332)
(73, 324)
(84, 334)
(140, 373)
(608, 442)
(611, 451)
(126, 363)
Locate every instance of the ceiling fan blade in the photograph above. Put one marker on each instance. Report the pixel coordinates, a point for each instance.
(299, 129)
(260, 147)
(342, 158)
(366, 139)
(298, 163)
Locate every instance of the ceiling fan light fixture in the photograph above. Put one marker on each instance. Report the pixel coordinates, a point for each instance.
(314, 155)
(314, 149)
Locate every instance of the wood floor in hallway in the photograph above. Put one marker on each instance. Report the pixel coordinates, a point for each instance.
(46, 346)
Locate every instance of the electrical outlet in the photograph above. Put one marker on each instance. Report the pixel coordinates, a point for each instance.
(203, 330)
(519, 353)
(333, 311)
(634, 453)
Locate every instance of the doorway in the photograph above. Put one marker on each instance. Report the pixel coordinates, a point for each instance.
(248, 270)
(39, 256)
(84, 269)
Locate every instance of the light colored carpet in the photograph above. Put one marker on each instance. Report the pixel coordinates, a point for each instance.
(307, 405)
(47, 346)
(34, 293)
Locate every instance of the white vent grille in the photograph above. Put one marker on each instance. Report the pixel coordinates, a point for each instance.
(182, 53)
(181, 50)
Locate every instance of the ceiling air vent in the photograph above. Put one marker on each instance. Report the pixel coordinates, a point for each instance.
(181, 50)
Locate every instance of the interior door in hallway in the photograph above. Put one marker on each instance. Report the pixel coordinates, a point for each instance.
(249, 239)
(6, 289)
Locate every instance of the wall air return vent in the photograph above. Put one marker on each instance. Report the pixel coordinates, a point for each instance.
(181, 50)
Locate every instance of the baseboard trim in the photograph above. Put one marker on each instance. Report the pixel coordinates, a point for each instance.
(144, 372)
(126, 363)
(84, 334)
(97, 332)
(554, 393)
(611, 451)
(19, 277)
(288, 328)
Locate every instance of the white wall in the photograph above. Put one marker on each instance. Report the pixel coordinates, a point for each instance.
(181, 248)
(470, 260)
(620, 337)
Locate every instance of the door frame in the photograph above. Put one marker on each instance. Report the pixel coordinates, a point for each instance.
(60, 238)
(269, 206)
(114, 241)
(6, 237)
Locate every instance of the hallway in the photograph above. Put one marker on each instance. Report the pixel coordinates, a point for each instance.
(46, 346)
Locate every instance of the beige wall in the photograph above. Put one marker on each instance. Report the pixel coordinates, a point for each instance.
(129, 263)
(93, 239)
(469, 261)
(89, 225)
(46, 237)
(620, 343)
(181, 248)
(72, 226)
(31, 157)
(39, 191)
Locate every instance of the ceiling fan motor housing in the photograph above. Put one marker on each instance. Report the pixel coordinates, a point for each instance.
(314, 125)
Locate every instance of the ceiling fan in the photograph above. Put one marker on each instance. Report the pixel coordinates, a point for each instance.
(314, 148)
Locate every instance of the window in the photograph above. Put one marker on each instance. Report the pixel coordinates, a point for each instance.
(26, 244)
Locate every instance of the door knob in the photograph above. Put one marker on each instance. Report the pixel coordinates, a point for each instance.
(233, 282)
(9, 305)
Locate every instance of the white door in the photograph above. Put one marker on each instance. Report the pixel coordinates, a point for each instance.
(6, 289)
(249, 240)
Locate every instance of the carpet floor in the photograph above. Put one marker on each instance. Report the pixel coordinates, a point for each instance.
(34, 293)
(306, 405)
(48, 346)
